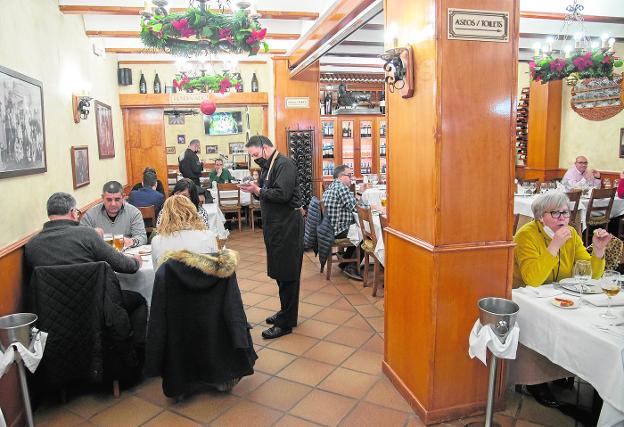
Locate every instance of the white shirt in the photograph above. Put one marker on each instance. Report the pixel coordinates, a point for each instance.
(199, 241)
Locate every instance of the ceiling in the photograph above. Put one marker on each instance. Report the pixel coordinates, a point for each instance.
(114, 24)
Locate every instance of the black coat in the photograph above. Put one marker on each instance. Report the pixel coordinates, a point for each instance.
(190, 166)
(198, 332)
(282, 221)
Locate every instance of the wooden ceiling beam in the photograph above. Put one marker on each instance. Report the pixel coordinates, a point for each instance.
(130, 10)
(561, 17)
(135, 34)
(361, 43)
(374, 27)
(154, 50)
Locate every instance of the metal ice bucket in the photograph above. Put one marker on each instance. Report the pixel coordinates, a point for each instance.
(499, 314)
(16, 327)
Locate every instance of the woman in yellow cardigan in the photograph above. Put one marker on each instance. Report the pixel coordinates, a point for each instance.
(547, 248)
(545, 252)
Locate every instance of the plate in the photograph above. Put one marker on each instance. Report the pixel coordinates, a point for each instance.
(145, 252)
(571, 284)
(558, 301)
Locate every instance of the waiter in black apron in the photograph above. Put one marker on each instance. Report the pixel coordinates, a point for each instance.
(282, 226)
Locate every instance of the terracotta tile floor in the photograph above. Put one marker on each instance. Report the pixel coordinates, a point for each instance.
(328, 372)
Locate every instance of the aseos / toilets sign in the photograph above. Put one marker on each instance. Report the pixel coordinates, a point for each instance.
(478, 25)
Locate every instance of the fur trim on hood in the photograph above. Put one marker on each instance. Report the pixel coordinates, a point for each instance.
(222, 264)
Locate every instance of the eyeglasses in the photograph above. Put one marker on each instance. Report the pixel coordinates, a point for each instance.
(559, 214)
(347, 174)
(78, 211)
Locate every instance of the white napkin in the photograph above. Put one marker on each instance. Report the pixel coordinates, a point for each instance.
(544, 291)
(31, 356)
(601, 300)
(484, 338)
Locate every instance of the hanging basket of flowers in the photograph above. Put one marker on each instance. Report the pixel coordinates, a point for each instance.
(595, 64)
(198, 31)
(216, 83)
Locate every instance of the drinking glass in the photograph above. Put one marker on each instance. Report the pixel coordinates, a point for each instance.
(582, 273)
(118, 242)
(384, 200)
(108, 238)
(610, 284)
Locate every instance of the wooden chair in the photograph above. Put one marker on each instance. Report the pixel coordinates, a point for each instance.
(149, 217)
(253, 207)
(338, 246)
(598, 215)
(365, 217)
(575, 218)
(229, 203)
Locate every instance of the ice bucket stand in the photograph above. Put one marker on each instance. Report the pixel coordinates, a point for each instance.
(500, 315)
(18, 328)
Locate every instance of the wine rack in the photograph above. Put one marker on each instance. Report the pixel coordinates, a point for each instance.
(522, 126)
(300, 146)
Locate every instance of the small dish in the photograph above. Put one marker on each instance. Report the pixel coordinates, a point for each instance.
(565, 303)
(144, 252)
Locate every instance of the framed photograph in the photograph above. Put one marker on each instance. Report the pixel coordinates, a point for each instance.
(182, 139)
(622, 143)
(171, 150)
(104, 126)
(80, 165)
(237, 148)
(212, 149)
(176, 119)
(22, 132)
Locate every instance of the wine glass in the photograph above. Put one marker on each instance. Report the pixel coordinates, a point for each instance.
(582, 273)
(610, 284)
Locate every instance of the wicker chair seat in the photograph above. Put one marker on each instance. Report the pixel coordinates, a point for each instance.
(368, 246)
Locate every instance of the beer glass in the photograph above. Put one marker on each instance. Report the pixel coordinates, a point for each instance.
(118, 241)
(108, 238)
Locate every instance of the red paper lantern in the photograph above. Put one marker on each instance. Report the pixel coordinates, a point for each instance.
(208, 107)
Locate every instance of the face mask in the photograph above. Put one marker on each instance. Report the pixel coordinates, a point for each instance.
(261, 162)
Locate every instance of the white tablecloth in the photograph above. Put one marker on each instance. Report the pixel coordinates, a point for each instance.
(239, 174)
(569, 339)
(216, 220)
(372, 196)
(355, 235)
(522, 206)
(143, 280)
(245, 198)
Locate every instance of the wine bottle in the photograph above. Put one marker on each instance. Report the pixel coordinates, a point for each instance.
(240, 82)
(142, 84)
(254, 83)
(157, 87)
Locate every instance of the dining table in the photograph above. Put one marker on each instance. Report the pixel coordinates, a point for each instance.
(579, 340)
(143, 280)
(522, 206)
(372, 196)
(245, 198)
(355, 235)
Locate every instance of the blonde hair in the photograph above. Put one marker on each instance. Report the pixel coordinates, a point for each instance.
(179, 213)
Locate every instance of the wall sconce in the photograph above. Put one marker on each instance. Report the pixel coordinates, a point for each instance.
(399, 66)
(399, 70)
(80, 106)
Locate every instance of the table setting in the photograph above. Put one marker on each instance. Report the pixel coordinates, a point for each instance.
(143, 280)
(578, 324)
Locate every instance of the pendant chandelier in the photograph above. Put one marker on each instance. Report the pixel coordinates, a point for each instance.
(199, 31)
(572, 54)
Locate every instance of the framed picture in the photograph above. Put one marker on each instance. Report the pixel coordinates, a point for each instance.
(181, 139)
(80, 165)
(22, 132)
(176, 119)
(212, 149)
(171, 150)
(104, 126)
(622, 143)
(237, 148)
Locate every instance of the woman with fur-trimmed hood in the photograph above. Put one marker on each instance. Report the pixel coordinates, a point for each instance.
(198, 333)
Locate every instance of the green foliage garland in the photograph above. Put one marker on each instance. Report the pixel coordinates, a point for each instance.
(597, 63)
(216, 82)
(195, 32)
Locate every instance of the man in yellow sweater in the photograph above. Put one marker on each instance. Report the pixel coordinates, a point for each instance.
(548, 247)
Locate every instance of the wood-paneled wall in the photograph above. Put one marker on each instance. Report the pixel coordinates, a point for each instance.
(305, 85)
(449, 236)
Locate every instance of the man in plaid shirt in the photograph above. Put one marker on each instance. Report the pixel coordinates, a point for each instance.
(340, 205)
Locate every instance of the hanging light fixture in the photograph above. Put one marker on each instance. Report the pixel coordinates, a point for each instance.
(572, 53)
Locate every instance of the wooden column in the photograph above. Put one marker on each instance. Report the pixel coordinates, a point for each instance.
(305, 85)
(450, 204)
(544, 131)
